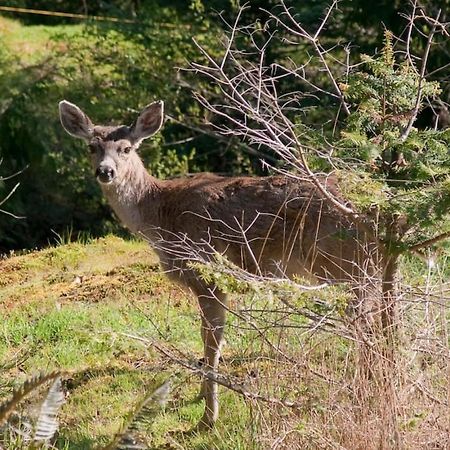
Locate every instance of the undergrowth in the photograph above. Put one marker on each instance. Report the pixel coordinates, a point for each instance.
(99, 313)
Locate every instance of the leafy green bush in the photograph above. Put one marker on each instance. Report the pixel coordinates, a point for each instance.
(111, 73)
(113, 69)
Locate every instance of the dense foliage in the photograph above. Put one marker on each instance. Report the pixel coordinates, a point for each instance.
(111, 72)
(112, 69)
(409, 169)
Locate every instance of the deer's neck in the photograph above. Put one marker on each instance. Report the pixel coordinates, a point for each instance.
(134, 197)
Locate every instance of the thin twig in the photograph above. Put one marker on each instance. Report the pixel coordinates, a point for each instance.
(429, 242)
(416, 108)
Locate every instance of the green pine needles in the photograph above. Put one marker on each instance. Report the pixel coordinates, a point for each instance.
(405, 170)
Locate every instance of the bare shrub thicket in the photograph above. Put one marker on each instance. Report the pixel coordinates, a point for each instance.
(320, 369)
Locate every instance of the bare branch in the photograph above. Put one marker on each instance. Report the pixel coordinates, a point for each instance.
(298, 30)
(429, 242)
(325, 19)
(9, 194)
(4, 200)
(415, 111)
(231, 38)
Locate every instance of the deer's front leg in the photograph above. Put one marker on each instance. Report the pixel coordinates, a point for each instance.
(213, 321)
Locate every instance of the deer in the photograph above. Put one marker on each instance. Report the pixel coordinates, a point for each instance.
(289, 226)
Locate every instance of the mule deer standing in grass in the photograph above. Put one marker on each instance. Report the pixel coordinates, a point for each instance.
(286, 224)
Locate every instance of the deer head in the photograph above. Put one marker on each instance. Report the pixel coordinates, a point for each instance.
(112, 148)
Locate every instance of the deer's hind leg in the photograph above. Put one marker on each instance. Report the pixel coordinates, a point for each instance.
(212, 305)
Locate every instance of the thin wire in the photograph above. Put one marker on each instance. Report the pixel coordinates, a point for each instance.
(63, 14)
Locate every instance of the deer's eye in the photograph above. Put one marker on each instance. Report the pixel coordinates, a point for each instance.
(126, 149)
(92, 148)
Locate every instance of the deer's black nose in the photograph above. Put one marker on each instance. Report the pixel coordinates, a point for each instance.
(105, 174)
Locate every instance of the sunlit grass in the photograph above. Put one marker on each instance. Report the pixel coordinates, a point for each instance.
(74, 307)
(32, 43)
(94, 309)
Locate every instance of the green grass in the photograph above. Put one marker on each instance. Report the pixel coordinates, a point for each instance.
(77, 306)
(71, 307)
(33, 43)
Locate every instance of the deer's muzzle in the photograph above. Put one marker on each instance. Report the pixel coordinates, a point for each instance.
(105, 175)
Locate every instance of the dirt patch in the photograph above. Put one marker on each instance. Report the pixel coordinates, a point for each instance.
(91, 288)
(94, 288)
(11, 272)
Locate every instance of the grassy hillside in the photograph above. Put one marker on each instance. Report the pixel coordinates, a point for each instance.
(81, 306)
(73, 307)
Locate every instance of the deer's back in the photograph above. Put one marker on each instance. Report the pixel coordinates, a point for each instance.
(274, 223)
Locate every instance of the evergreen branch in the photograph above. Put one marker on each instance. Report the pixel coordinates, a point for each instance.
(47, 423)
(128, 437)
(349, 212)
(7, 407)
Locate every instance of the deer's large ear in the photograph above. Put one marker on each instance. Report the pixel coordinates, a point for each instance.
(75, 121)
(149, 121)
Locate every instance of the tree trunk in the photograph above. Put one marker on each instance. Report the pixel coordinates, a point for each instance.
(388, 345)
(389, 295)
